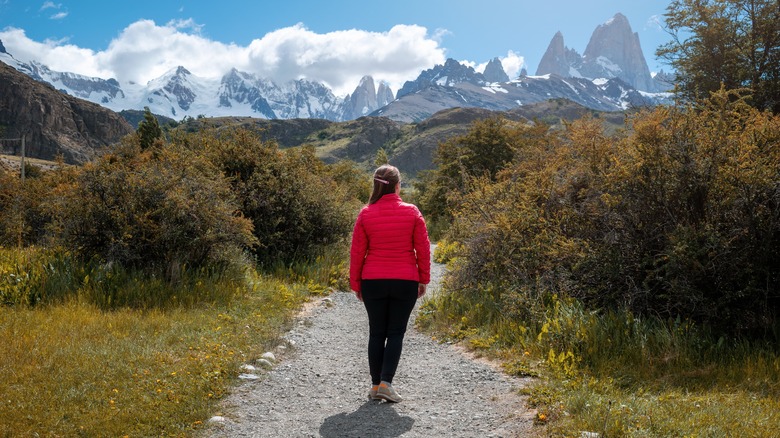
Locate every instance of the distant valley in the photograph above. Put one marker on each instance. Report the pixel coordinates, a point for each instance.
(609, 78)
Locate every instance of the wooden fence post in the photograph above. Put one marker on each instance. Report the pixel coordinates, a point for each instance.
(23, 158)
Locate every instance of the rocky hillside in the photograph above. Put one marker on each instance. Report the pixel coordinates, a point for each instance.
(52, 122)
(410, 146)
(454, 85)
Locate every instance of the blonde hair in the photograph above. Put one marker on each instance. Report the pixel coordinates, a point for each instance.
(386, 178)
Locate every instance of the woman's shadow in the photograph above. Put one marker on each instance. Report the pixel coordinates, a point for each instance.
(372, 419)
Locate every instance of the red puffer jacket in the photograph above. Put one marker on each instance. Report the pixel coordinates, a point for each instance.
(390, 241)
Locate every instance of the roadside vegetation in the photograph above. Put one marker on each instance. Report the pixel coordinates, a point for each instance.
(135, 287)
(636, 273)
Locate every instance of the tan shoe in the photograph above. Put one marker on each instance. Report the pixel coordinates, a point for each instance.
(372, 392)
(386, 392)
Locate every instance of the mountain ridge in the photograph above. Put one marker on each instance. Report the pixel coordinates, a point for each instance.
(613, 52)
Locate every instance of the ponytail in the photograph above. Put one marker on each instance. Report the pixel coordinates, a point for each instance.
(386, 178)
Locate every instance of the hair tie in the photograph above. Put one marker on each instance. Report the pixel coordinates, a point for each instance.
(381, 180)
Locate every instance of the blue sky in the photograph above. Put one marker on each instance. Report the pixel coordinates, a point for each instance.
(335, 41)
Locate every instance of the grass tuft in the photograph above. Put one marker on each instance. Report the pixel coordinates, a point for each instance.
(618, 375)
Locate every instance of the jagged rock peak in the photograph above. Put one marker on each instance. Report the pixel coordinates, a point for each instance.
(384, 94)
(554, 58)
(2, 47)
(363, 100)
(614, 51)
(448, 75)
(366, 81)
(559, 59)
(494, 71)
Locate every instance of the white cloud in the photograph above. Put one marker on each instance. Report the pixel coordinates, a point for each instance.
(50, 5)
(182, 24)
(58, 55)
(512, 64)
(59, 15)
(341, 58)
(145, 50)
(655, 22)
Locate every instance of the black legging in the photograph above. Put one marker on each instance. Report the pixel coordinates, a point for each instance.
(389, 304)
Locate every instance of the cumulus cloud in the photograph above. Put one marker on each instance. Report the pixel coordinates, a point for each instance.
(145, 50)
(341, 58)
(512, 64)
(57, 55)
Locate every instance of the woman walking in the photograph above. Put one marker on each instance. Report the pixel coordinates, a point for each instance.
(390, 267)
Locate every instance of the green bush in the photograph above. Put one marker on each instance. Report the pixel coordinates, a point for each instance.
(294, 201)
(164, 212)
(489, 147)
(23, 220)
(678, 218)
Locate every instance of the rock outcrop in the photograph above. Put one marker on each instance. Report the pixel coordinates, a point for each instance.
(612, 52)
(559, 59)
(52, 122)
(494, 71)
(448, 75)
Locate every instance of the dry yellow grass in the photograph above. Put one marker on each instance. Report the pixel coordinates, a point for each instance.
(75, 370)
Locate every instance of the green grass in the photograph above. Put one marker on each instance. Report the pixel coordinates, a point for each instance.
(617, 375)
(76, 367)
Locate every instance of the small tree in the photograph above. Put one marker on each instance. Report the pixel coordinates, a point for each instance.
(292, 198)
(731, 42)
(381, 157)
(148, 130)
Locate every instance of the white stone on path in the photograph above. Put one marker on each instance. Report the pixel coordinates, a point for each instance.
(265, 363)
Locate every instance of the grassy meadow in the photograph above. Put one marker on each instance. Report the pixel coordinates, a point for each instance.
(618, 375)
(74, 366)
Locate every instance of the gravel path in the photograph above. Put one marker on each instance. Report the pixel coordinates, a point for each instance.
(319, 387)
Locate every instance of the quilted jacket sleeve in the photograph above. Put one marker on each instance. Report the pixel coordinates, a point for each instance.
(357, 254)
(422, 247)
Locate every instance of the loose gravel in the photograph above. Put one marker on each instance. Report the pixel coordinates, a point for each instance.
(320, 384)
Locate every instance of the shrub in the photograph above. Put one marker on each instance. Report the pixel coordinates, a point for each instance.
(679, 218)
(292, 198)
(23, 220)
(160, 211)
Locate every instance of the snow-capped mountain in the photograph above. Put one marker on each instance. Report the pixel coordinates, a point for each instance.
(613, 51)
(97, 90)
(455, 85)
(179, 93)
(612, 75)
